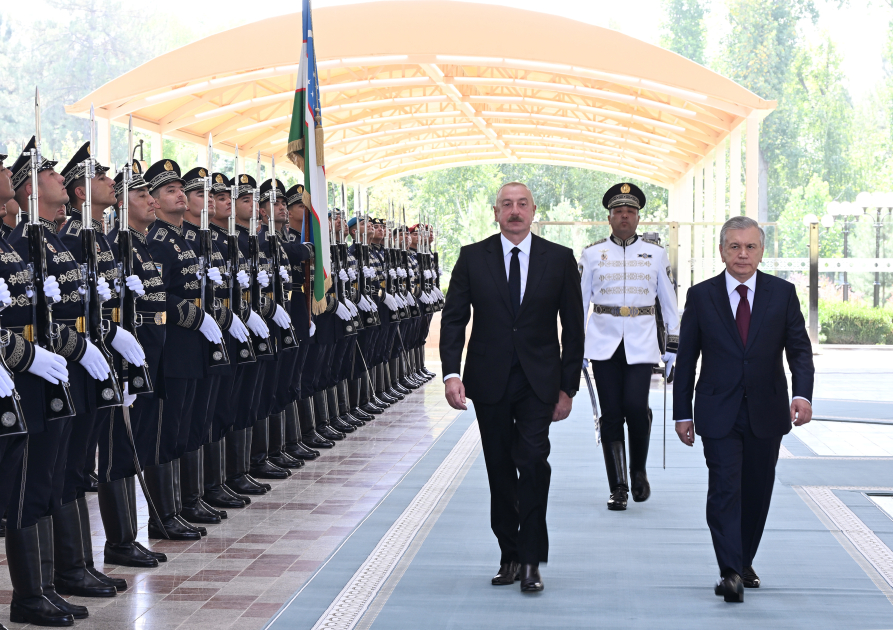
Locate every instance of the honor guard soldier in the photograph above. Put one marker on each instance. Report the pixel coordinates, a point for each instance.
(117, 482)
(386, 307)
(622, 276)
(267, 458)
(195, 509)
(417, 348)
(186, 354)
(300, 257)
(38, 486)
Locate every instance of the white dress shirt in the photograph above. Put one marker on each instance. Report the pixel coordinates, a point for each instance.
(523, 260)
(735, 299)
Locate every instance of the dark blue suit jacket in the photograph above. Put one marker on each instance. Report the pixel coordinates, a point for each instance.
(729, 369)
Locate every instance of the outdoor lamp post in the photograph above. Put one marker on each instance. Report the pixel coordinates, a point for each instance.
(811, 221)
(845, 209)
(880, 202)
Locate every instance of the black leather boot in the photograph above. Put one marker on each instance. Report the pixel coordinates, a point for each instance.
(29, 605)
(191, 466)
(392, 387)
(396, 385)
(406, 377)
(114, 509)
(87, 544)
(70, 570)
(364, 388)
(213, 490)
(261, 466)
(638, 457)
(345, 406)
(313, 427)
(131, 500)
(353, 396)
(45, 537)
(178, 499)
(615, 465)
(237, 465)
(249, 441)
(160, 483)
(332, 414)
(381, 397)
(293, 445)
(425, 370)
(278, 455)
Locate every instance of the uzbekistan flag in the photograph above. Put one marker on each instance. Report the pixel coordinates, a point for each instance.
(305, 150)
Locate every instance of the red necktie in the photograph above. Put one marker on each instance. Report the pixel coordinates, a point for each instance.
(742, 315)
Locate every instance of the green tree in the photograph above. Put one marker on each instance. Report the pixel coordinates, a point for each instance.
(683, 30)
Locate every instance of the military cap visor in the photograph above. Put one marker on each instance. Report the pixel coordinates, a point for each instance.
(77, 168)
(624, 194)
(21, 168)
(195, 179)
(220, 183)
(162, 173)
(294, 195)
(247, 184)
(267, 186)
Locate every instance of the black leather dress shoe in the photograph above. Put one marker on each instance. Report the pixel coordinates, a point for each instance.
(508, 574)
(371, 409)
(531, 582)
(328, 433)
(749, 578)
(360, 414)
(618, 500)
(340, 425)
(154, 554)
(731, 588)
(267, 470)
(299, 450)
(641, 489)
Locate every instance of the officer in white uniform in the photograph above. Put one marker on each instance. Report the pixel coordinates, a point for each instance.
(622, 275)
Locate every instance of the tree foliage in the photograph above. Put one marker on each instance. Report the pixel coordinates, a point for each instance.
(683, 30)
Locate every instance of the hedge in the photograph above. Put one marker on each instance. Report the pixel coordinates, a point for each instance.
(849, 323)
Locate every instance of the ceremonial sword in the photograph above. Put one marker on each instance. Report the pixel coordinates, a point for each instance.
(595, 414)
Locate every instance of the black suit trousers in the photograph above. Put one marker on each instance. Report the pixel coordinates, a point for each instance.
(515, 440)
(742, 473)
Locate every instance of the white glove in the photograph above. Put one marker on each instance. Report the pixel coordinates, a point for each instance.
(351, 307)
(401, 272)
(424, 299)
(368, 272)
(412, 273)
(50, 289)
(283, 273)
(438, 293)
(5, 297)
(366, 305)
(351, 274)
(102, 288)
(281, 318)
(210, 329)
(128, 347)
(428, 274)
(669, 359)
(213, 275)
(257, 325)
(263, 278)
(6, 384)
(312, 329)
(238, 330)
(343, 275)
(49, 366)
(439, 272)
(342, 312)
(128, 397)
(410, 299)
(135, 284)
(95, 363)
(585, 364)
(392, 273)
(390, 302)
(243, 279)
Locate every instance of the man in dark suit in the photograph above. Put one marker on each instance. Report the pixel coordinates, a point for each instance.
(519, 376)
(740, 323)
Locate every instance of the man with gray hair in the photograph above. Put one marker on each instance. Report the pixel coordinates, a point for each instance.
(740, 323)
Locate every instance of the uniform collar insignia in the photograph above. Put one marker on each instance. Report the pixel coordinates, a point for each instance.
(632, 239)
(50, 225)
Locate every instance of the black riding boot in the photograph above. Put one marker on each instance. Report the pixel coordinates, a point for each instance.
(336, 421)
(425, 370)
(381, 386)
(249, 443)
(29, 605)
(191, 466)
(214, 492)
(293, 444)
(70, 570)
(114, 509)
(261, 467)
(615, 465)
(178, 499)
(131, 500)
(638, 456)
(87, 543)
(354, 396)
(278, 456)
(160, 483)
(392, 370)
(315, 430)
(367, 395)
(237, 478)
(45, 536)
(346, 407)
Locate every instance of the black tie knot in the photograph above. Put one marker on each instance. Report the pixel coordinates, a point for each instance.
(516, 251)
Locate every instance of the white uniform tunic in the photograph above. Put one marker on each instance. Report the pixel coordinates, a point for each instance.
(619, 278)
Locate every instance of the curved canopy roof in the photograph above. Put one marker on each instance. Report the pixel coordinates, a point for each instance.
(413, 86)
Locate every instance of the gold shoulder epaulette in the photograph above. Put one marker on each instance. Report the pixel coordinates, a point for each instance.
(652, 241)
(595, 243)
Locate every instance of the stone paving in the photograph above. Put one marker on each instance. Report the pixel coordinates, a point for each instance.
(247, 567)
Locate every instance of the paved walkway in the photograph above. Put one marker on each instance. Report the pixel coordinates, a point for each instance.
(390, 530)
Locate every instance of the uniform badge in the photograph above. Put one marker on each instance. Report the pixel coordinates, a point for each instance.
(168, 166)
(51, 248)
(580, 269)
(158, 267)
(219, 178)
(644, 255)
(189, 236)
(98, 249)
(624, 189)
(138, 257)
(213, 236)
(176, 248)
(604, 254)
(160, 234)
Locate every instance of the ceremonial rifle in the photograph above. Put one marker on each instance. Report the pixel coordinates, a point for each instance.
(387, 264)
(58, 402)
(436, 261)
(238, 302)
(337, 283)
(136, 376)
(372, 317)
(262, 346)
(349, 292)
(408, 281)
(208, 302)
(289, 338)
